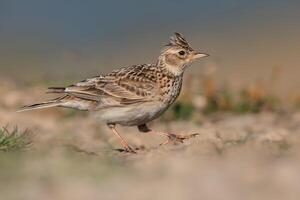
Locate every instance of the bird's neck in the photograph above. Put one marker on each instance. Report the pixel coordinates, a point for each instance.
(173, 70)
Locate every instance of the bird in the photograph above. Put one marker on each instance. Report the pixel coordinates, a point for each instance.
(132, 95)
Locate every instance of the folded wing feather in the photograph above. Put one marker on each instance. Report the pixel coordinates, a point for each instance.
(123, 91)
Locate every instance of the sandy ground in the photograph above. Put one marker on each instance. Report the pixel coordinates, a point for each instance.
(251, 156)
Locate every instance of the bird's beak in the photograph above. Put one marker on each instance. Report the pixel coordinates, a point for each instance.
(197, 55)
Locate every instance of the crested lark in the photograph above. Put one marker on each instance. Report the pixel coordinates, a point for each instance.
(131, 96)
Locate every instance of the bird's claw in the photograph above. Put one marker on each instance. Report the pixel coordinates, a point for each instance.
(129, 150)
(178, 138)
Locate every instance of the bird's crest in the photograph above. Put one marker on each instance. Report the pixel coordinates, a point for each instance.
(178, 40)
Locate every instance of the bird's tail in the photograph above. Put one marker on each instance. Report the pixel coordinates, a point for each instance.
(47, 104)
(56, 90)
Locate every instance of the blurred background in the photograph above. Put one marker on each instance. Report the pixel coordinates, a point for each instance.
(243, 100)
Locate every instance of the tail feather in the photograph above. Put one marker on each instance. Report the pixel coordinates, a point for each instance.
(66, 101)
(56, 90)
(48, 104)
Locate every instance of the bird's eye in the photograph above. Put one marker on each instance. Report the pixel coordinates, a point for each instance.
(182, 53)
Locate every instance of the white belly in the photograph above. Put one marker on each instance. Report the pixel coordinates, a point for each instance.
(130, 115)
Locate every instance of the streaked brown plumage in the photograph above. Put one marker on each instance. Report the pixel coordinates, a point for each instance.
(130, 96)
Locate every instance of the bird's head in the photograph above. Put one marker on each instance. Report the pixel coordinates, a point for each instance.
(178, 54)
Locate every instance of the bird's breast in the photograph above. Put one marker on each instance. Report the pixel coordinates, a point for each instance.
(171, 91)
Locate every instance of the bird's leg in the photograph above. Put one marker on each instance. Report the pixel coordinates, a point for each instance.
(171, 137)
(125, 145)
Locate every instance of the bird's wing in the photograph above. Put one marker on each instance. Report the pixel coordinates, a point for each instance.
(118, 88)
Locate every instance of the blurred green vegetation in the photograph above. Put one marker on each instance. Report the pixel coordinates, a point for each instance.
(14, 140)
(183, 111)
(254, 98)
(248, 100)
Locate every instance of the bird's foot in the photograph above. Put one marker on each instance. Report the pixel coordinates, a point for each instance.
(173, 138)
(127, 149)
